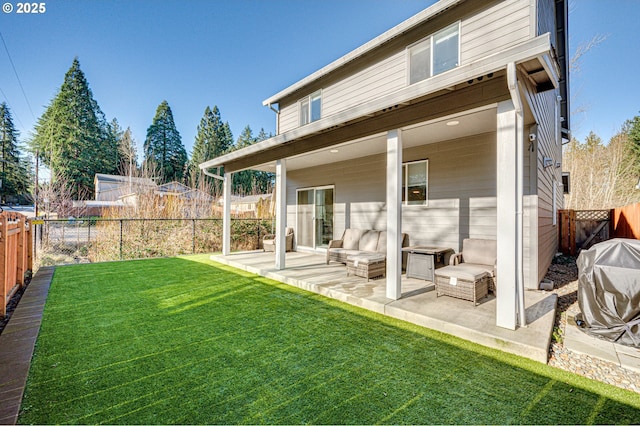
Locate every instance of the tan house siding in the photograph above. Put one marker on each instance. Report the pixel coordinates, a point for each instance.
(484, 30)
(462, 192)
(385, 76)
(355, 205)
(494, 29)
(548, 144)
(288, 118)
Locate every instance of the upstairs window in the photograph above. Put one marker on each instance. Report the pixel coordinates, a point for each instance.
(437, 53)
(311, 108)
(415, 183)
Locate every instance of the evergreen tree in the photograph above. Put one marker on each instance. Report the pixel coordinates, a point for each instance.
(14, 171)
(251, 181)
(73, 136)
(243, 181)
(128, 154)
(213, 139)
(264, 180)
(163, 146)
(115, 137)
(633, 131)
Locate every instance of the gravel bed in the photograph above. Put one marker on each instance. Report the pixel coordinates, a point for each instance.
(564, 273)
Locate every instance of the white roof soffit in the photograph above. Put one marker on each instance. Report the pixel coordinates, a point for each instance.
(535, 48)
(394, 32)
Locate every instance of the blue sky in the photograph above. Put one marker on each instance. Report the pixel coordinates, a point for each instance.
(234, 54)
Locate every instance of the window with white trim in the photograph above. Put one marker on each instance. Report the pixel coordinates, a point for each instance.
(435, 54)
(311, 108)
(415, 183)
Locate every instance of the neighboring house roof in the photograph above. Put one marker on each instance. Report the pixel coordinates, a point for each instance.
(248, 199)
(173, 188)
(123, 179)
(194, 194)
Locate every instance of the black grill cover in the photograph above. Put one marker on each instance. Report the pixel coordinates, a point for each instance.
(609, 291)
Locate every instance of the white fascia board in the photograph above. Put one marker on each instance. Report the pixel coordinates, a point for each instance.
(531, 49)
(394, 32)
(551, 67)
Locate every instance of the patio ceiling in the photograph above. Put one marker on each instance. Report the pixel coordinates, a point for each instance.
(469, 123)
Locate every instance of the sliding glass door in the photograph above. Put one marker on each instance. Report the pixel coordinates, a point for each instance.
(315, 216)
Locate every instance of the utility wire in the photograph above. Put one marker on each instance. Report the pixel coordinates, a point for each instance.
(13, 112)
(18, 78)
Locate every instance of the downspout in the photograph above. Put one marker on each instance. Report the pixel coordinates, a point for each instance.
(512, 82)
(277, 111)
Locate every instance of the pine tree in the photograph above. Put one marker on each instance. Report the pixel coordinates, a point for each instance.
(163, 146)
(633, 131)
(243, 181)
(115, 136)
(128, 154)
(73, 136)
(14, 172)
(213, 139)
(251, 181)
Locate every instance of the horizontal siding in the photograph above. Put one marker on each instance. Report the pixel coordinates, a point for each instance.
(484, 32)
(503, 25)
(462, 192)
(288, 118)
(548, 145)
(385, 76)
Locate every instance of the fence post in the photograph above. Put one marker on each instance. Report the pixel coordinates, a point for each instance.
(4, 239)
(258, 242)
(21, 258)
(121, 239)
(193, 236)
(31, 243)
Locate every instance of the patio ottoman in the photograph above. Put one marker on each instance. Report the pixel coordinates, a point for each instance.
(367, 265)
(462, 281)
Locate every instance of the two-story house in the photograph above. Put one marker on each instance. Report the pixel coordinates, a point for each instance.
(445, 127)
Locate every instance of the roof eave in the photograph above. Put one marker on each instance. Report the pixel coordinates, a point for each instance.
(537, 48)
(394, 32)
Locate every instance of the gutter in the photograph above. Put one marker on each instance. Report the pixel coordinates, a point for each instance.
(525, 51)
(512, 82)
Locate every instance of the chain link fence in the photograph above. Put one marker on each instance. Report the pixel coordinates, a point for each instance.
(59, 242)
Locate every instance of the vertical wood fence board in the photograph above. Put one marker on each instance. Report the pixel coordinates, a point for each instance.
(20, 254)
(15, 256)
(4, 238)
(626, 221)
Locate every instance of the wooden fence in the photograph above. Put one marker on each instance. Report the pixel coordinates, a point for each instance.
(16, 255)
(580, 229)
(625, 221)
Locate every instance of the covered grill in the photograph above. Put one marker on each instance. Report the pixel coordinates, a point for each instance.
(609, 291)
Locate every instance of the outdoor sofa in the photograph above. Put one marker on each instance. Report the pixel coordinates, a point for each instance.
(269, 241)
(471, 274)
(364, 251)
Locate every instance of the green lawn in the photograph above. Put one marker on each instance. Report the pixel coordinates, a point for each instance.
(184, 340)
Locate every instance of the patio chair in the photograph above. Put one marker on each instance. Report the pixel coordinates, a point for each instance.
(471, 273)
(269, 241)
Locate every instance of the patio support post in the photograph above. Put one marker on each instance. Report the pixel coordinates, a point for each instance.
(281, 213)
(226, 214)
(394, 214)
(509, 125)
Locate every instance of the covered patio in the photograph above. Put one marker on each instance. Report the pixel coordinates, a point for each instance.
(418, 303)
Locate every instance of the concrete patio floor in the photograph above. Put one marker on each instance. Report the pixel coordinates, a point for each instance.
(418, 305)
